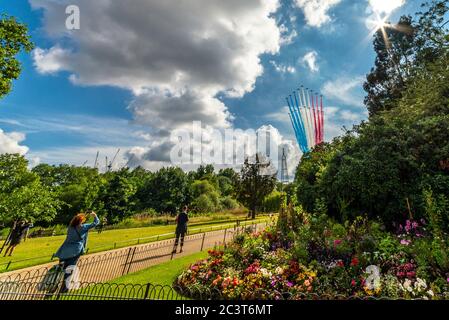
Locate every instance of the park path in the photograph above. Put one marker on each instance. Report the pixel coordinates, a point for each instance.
(110, 265)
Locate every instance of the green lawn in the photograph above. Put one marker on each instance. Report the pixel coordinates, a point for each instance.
(134, 285)
(161, 274)
(39, 250)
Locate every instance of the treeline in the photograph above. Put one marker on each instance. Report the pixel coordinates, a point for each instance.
(395, 165)
(54, 194)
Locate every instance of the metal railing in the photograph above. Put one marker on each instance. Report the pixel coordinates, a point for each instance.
(123, 291)
(4, 267)
(110, 265)
(104, 291)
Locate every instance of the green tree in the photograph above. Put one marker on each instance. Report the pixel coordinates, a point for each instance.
(117, 196)
(22, 196)
(168, 190)
(403, 50)
(14, 38)
(206, 198)
(77, 188)
(257, 180)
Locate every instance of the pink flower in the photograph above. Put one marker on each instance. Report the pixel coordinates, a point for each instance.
(353, 283)
(405, 242)
(337, 242)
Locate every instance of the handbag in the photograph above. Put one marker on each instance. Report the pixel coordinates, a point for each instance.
(52, 279)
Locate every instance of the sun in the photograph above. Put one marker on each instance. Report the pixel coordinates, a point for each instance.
(376, 22)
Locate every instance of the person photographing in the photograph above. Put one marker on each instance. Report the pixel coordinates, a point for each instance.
(181, 228)
(75, 243)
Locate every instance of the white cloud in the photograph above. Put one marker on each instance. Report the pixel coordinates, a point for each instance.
(310, 59)
(50, 61)
(316, 12)
(175, 63)
(385, 6)
(10, 143)
(281, 68)
(142, 45)
(345, 89)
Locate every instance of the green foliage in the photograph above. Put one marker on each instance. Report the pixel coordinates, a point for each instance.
(167, 191)
(77, 188)
(22, 195)
(14, 39)
(379, 165)
(255, 182)
(117, 196)
(272, 202)
(229, 203)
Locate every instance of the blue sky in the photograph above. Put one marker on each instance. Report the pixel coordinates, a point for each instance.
(52, 118)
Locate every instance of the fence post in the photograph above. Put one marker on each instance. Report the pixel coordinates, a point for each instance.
(131, 260)
(126, 261)
(147, 290)
(224, 238)
(202, 242)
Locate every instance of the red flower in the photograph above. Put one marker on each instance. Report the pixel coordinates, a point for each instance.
(354, 261)
(340, 263)
(353, 283)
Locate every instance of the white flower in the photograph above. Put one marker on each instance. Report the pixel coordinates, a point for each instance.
(430, 293)
(420, 284)
(265, 272)
(279, 270)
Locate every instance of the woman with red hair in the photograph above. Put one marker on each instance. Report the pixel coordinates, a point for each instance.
(75, 242)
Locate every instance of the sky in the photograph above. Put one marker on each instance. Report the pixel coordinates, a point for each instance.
(137, 70)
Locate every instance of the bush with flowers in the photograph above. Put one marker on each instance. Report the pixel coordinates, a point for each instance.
(311, 256)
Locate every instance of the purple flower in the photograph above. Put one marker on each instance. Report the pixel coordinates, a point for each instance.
(289, 284)
(447, 279)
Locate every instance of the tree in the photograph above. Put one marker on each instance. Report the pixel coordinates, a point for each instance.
(14, 38)
(257, 180)
(167, 190)
(205, 197)
(403, 50)
(393, 66)
(22, 196)
(117, 196)
(77, 188)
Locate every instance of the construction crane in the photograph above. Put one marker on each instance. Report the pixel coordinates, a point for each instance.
(129, 161)
(96, 160)
(109, 166)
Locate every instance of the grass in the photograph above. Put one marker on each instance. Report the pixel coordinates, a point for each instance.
(37, 251)
(161, 274)
(132, 285)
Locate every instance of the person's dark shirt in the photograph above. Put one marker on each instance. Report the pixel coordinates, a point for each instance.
(182, 219)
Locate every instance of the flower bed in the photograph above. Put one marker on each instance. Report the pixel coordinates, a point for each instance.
(305, 257)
